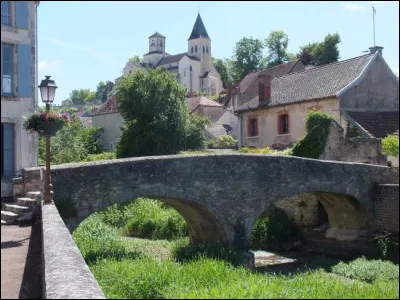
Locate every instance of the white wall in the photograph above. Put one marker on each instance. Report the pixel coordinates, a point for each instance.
(111, 123)
(230, 119)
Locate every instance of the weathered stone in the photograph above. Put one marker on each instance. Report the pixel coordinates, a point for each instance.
(222, 196)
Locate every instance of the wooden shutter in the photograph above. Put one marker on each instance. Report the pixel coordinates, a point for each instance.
(22, 14)
(24, 70)
(7, 155)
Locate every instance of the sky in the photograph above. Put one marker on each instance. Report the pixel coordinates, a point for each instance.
(83, 43)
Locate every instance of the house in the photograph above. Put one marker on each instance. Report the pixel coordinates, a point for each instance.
(19, 92)
(349, 90)
(193, 69)
(84, 117)
(108, 118)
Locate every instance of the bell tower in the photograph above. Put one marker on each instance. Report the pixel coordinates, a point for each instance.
(157, 43)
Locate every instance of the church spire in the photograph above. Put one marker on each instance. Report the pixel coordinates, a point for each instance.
(198, 29)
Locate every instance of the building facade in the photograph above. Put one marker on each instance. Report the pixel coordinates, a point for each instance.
(193, 69)
(347, 90)
(19, 92)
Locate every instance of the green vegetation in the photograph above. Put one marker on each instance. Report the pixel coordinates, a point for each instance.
(388, 245)
(390, 145)
(368, 270)
(134, 268)
(266, 150)
(157, 122)
(273, 229)
(72, 143)
(100, 156)
(313, 144)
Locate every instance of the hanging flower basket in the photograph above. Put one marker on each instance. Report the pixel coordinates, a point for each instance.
(46, 123)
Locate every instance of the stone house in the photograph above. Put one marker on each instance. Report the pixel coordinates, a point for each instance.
(193, 69)
(346, 90)
(19, 92)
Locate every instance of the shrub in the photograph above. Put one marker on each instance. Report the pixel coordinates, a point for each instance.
(226, 141)
(150, 219)
(313, 144)
(195, 132)
(388, 245)
(368, 270)
(390, 145)
(273, 229)
(265, 150)
(100, 156)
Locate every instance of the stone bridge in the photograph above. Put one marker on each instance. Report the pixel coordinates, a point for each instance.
(222, 196)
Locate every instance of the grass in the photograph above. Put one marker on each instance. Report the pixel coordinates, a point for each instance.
(136, 268)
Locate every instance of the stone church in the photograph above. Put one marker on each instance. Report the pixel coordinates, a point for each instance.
(193, 69)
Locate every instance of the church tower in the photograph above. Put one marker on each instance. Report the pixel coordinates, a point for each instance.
(199, 45)
(157, 43)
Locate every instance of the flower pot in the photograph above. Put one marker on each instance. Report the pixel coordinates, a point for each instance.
(51, 128)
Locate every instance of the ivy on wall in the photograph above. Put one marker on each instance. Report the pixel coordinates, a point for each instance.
(313, 144)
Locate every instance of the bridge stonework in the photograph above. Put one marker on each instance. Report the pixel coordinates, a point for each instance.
(222, 196)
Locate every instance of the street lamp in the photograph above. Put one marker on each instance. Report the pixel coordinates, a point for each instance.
(47, 92)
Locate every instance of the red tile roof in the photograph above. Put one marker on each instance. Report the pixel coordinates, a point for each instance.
(109, 107)
(194, 102)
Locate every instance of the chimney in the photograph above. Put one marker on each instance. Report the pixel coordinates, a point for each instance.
(373, 49)
(236, 99)
(264, 88)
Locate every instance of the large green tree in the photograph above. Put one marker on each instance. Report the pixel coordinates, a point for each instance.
(277, 43)
(323, 52)
(223, 69)
(247, 57)
(81, 97)
(153, 105)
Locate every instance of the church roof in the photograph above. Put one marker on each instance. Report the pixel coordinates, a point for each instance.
(156, 35)
(174, 58)
(198, 29)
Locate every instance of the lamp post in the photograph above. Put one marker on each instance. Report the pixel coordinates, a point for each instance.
(47, 92)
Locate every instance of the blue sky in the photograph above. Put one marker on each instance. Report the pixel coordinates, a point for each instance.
(82, 43)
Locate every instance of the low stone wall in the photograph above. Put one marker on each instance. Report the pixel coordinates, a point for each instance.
(387, 208)
(359, 149)
(66, 274)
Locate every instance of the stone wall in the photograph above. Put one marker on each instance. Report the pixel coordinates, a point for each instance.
(386, 206)
(359, 149)
(66, 274)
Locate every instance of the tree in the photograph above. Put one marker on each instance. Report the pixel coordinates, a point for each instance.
(82, 97)
(277, 43)
(136, 58)
(324, 52)
(247, 57)
(153, 105)
(223, 69)
(103, 90)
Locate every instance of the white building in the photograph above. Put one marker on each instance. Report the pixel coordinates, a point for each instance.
(18, 88)
(193, 69)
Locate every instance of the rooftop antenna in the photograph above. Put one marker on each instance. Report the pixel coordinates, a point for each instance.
(373, 19)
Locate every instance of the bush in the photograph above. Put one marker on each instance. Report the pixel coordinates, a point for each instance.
(390, 145)
(100, 156)
(273, 229)
(153, 220)
(388, 245)
(226, 141)
(313, 144)
(97, 240)
(265, 150)
(195, 132)
(368, 270)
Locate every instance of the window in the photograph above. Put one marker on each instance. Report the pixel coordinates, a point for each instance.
(191, 50)
(5, 13)
(160, 43)
(7, 69)
(252, 129)
(283, 126)
(207, 49)
(152, 43)
(204, 49)
(195, 49)
(7, 150)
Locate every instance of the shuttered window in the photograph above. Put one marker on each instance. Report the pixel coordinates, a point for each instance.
(24, 75)
(7, 68)
(22, 14)
(5, 13)
(7, 150)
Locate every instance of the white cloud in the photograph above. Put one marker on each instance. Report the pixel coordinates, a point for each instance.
(354, 7)
(98, 55)
(48, 65)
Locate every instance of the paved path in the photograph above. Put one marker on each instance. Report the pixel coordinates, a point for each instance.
(20, 262)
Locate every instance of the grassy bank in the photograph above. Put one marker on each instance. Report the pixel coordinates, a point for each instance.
(133, 267)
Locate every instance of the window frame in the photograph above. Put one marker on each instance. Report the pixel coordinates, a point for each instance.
(12, 46)
(252, 127)
(282, 125)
